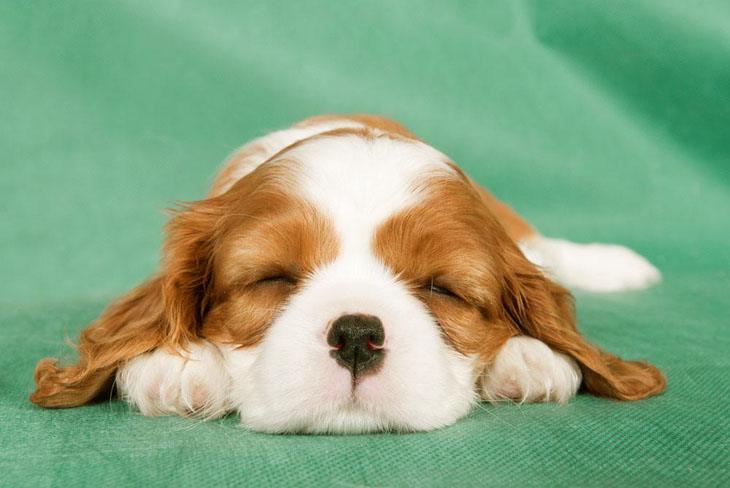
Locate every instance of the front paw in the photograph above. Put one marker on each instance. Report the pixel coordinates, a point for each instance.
(527, 370)
(190, 383)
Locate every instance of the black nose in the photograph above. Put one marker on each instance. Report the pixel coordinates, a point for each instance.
(357, 341)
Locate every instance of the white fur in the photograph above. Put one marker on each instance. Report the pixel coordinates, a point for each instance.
(293, 385)
(592, 267)
(261, 149)
(527, 370)
(193, 382)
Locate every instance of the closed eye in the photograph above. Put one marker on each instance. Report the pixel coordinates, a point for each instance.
(433, 288)
(274, 279)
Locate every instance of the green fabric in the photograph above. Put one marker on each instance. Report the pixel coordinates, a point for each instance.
(605, 121)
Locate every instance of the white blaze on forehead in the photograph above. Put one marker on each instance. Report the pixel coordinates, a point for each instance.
(251, 155)
(360, 182)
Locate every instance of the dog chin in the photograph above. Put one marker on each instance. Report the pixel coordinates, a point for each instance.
(355, 416)
(337, 405)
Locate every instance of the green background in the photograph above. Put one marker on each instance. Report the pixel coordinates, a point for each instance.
(605, 121)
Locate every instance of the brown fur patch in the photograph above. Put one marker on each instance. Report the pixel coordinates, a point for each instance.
(283, 238)
(231, 171)
(515, 226)
(130, 326)
(446, 241)
(453, 240)
(187, 300)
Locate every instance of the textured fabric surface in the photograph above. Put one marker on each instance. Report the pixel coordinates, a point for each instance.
(603, 121)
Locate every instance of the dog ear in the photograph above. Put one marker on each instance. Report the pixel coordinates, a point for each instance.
(542, 309)
(166, 310)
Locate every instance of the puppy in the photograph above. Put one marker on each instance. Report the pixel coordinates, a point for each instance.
(343, 276)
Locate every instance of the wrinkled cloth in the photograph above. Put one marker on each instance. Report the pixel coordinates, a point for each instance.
(598, 121)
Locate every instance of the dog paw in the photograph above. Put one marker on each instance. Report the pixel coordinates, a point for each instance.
(527, 370)
(190, 383)
(592, 267)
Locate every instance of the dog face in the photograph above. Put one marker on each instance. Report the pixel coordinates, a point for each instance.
(355, 281)
(350, 282)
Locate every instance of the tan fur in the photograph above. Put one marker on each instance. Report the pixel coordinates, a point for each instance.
(229, 174)
(188, 300)
(131, 326)
(280, 236)
(517, 228)
(453, 240)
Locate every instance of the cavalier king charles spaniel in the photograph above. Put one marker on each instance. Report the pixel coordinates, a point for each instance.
(343, 276)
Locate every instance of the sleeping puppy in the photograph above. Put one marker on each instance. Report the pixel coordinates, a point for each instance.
(343, 276)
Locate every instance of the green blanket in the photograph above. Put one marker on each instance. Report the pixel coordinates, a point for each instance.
(606, 121)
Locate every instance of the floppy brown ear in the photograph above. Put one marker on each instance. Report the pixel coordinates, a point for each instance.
(540, 308)
(165, 310)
